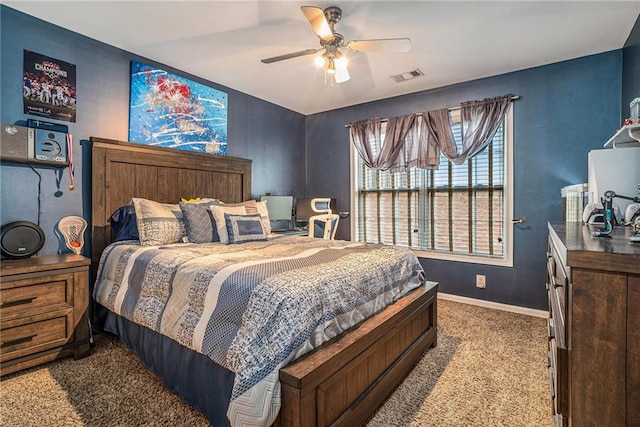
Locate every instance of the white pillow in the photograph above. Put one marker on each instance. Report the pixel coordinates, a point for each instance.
(254, 207)
(218, 215)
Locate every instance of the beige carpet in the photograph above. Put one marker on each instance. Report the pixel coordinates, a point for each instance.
(489, 369)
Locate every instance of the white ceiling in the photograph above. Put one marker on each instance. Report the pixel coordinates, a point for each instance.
(452, 41)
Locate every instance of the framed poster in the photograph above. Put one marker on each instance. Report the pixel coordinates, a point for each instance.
(167, 110)
(49, 87)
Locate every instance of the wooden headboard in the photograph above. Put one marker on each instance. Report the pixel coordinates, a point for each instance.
(122, 170)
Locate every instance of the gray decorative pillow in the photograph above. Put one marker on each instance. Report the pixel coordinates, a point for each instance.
(158, 223)
(244, 228)
(199, 221)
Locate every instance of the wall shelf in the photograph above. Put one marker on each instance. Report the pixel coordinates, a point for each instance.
(627, 136)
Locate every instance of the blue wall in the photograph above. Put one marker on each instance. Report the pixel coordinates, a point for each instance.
(631, 69)
(272, 136)
(565, 110)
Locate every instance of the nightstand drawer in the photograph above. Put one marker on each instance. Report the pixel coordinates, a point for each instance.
(37, 336)
(22, 296)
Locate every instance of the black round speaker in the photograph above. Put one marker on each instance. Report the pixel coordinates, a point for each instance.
(21, 239)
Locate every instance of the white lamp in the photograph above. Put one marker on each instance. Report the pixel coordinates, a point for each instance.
(335, 67)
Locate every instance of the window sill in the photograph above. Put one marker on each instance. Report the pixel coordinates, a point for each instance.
(475, 259)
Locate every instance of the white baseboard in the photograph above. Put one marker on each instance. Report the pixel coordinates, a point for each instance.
(495, 305)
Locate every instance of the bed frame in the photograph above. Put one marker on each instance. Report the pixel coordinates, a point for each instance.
(341, 383)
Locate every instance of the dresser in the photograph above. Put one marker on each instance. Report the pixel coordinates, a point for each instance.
(43, 310)
(593, 285)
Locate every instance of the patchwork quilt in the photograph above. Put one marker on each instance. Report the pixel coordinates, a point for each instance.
(254, 307)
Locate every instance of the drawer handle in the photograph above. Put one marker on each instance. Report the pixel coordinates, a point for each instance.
(18, 340)
(550, 270)
(550, 331)
(27, 300)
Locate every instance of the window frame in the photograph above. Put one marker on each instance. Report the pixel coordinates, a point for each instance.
(507, 259)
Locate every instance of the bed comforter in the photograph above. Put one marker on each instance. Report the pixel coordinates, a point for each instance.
(253, 307)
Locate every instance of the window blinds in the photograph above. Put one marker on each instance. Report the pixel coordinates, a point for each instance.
(456, 208)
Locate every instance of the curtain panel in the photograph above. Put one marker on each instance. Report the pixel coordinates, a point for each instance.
(366, 136)
(438, 137)
(480, 121)
(417, 140)
(384, 155)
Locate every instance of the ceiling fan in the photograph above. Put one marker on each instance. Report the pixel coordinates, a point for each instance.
(334, 61)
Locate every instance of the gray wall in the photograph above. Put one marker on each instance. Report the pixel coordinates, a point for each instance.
(565, 110)
(631, 69)
(272, 136)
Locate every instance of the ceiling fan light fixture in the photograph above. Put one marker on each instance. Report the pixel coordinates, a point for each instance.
(331, 66)
(342, 74)
(335, 68)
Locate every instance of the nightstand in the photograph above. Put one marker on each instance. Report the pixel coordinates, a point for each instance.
(44, 304)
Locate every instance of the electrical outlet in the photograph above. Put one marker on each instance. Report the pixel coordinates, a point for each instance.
(481, 281)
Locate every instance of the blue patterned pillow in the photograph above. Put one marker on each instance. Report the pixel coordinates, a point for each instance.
(199, 221)
(244, 228)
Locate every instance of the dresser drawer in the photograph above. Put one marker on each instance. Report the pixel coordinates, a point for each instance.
(22, 296)
(558, 377)
(558, 317)
(40, 335)
(551, 333)
(557, 292)
(557, 276)
(553, 374)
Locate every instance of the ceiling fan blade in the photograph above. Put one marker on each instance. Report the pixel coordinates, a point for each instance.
(290, 55)
(380, 45)
(318, 22)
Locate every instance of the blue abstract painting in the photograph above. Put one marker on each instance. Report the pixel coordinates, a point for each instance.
(167, 110)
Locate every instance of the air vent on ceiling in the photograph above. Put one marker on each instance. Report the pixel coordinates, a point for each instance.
(403, 77)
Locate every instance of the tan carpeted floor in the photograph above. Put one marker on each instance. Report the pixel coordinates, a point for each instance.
(489, 369)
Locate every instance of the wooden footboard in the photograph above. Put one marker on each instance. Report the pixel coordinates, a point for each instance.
(346, 380)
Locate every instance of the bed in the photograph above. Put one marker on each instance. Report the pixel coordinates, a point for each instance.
(354, 364)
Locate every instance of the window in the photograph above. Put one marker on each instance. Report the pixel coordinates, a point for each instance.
(458, 212)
